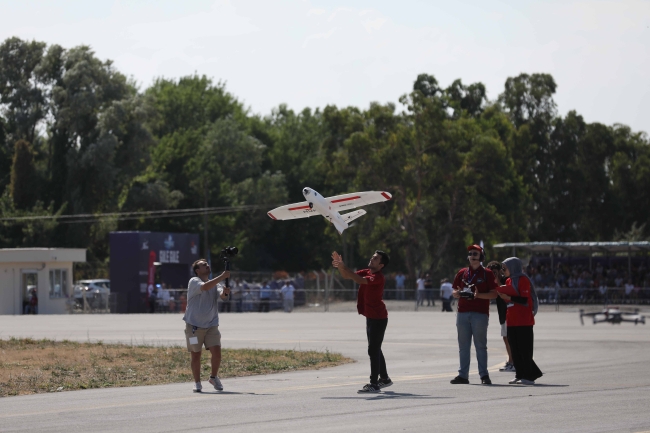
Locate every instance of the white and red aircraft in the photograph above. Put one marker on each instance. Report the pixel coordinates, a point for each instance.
(329, 207)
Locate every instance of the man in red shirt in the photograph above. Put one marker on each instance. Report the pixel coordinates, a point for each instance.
(474, 287)
(371, 305)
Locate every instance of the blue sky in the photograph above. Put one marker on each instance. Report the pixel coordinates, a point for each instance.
(309, 53)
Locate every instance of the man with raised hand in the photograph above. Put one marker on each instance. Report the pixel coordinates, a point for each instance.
(202, 320)
(474, 287)
(371, 305)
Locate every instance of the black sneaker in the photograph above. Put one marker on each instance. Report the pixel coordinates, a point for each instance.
(459, 380)
(383, 383)
(369, 388)
(485, 380)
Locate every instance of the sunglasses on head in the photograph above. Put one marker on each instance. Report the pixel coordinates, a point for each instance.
(473, 254)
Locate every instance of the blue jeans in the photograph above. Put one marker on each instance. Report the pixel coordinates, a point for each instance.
(470, 325)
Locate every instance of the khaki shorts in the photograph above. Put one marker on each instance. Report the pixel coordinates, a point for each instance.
(504, 330)
(207, 337)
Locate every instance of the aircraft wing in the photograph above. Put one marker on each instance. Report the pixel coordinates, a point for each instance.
(356, 199)
(292, 211)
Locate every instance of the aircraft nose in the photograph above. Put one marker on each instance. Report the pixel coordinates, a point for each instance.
(305, 191)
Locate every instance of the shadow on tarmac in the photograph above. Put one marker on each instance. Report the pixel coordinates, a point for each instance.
(520, 385)
(387, 395)
(229, 392)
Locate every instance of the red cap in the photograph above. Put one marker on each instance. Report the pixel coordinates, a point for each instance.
(475, 247)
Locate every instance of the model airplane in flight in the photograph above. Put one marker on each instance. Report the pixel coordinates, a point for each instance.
(330, 207)
(614, 315)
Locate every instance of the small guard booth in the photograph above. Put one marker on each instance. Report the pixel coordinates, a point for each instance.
(141, 259)
(45, 272)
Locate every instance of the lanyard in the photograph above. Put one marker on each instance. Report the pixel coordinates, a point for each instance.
(467, 275)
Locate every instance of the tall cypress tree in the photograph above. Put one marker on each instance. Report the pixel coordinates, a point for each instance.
(23, 176)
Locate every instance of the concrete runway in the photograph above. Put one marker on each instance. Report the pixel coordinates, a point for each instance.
(596, 379)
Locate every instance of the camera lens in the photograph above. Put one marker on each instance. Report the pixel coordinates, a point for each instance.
(230, 251)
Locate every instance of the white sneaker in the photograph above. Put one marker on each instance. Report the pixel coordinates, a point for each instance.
(515, 381)
(508, 367)
(527, 382)
(216, 383)
(197, 387)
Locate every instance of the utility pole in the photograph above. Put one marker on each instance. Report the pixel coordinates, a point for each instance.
(206, 248)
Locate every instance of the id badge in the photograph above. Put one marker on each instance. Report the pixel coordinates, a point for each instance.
(194, 340)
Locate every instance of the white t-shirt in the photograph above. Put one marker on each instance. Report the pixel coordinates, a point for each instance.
(202, 306)
(628, 288)
(420, 282)
(446, 290)
(287, 291)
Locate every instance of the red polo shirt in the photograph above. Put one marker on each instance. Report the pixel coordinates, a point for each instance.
(369, 298)
(483, 279)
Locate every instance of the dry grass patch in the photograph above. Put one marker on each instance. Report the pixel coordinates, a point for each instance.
(30, 366)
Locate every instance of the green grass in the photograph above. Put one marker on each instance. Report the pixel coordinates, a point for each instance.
(29, 366)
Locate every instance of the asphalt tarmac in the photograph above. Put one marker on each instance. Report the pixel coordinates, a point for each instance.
(595, 379)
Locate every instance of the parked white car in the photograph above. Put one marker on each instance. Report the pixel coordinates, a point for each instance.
(97, 292)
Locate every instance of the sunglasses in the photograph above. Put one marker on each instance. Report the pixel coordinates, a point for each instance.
(473, 254)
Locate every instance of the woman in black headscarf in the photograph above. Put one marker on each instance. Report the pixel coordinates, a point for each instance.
(520, 321)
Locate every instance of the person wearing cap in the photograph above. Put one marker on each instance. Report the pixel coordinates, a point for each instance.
(474, 287)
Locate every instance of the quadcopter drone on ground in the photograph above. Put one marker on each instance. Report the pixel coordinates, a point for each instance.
(614, 315)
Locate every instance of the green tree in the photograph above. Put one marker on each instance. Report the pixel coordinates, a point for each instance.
(528, 100)
(24, 181)
(468, 99)
(22, 101)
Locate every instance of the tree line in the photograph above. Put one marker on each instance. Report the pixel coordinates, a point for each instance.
(79, 137)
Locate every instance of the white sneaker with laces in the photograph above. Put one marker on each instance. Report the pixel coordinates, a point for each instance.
(509, 367)
(216, 383)
(197, 387)
(515, 381)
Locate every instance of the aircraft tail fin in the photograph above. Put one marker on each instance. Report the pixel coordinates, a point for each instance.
(339, 227)
(351, 216)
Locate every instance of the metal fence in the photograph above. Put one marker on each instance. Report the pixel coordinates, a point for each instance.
(319, 289)
(95, 303)
(605, 295)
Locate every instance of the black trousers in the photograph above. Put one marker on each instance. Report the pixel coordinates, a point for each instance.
(521, 341)
(264, 305)
(446, 305)
(375, 330)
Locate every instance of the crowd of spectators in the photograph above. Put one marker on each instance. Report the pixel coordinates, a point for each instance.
(577, 283)
(565, 282)
(245, 296)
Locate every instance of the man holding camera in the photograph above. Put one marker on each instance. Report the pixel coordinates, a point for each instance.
(202, 320)
(474, 287)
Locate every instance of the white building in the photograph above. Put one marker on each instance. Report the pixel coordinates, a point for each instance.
(48, 271)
